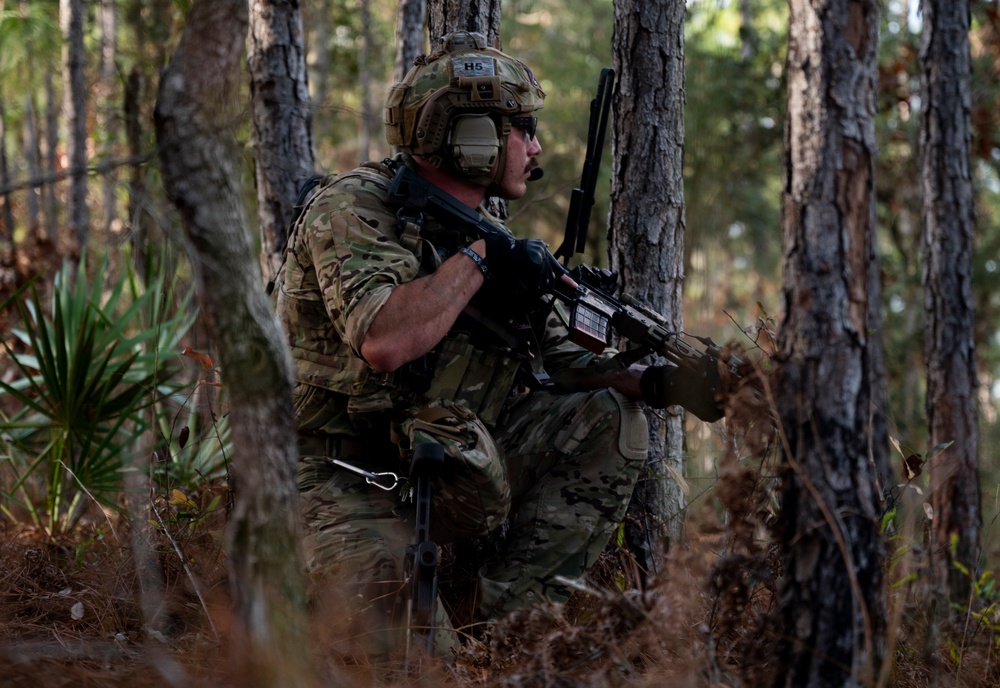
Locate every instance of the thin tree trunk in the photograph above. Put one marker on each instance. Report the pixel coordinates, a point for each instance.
(71, 19)
(195, 121)
(832, 593)
(365, 53)
(317, 19)
(410, 30)
(138, 229)
(7, 251)
(106, 107)
(646, 237)
(49, 201)
(949, 232)
(282, 134)
(31, 155)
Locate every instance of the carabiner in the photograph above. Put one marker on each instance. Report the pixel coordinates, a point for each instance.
(379, 480)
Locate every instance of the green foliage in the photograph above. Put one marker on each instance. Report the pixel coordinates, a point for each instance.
(194, 455)
(27, 30)
(981, 612)
(734, 115)
(186, 515)
(89, 366)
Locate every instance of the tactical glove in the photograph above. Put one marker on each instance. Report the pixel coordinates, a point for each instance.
(667, 385)
(520, 267)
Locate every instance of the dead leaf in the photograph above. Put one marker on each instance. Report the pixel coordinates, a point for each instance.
(913, 466)
(679, 479)
(178, 498)
(204, 359)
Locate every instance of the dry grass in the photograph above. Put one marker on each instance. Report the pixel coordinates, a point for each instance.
(120, 604)
(71, 613)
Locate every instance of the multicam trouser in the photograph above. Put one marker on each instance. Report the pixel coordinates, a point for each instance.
(561, 471)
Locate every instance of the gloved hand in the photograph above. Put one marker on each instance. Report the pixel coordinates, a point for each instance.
(520, 267)
(666, 385)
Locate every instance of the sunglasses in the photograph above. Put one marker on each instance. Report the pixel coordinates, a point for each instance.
(528, 124)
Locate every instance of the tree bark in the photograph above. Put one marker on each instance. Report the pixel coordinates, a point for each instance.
(366, 51)
(8, 279)
(138, 200)
(480, 16)
(31, 155)
(948, 235)
(410, 28)
(71, 18)
(107, 107)
(832, 593)
(49, 201)
(646, 237)
(195, 121)
(282, 120)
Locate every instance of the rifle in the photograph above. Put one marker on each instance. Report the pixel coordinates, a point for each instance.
(594, 310)
(588, 292)
(581, 198)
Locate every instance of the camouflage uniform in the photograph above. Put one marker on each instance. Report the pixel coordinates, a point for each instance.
(558, 468)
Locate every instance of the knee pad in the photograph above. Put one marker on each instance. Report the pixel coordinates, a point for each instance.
(633, 434)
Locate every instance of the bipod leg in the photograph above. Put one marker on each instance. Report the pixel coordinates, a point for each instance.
(422, 556)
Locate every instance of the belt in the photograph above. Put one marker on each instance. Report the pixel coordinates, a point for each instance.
(371, 456)
(331, 446)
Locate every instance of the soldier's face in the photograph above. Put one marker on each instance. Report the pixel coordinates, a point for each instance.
(522, 149)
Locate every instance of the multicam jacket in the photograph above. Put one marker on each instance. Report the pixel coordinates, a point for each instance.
(344, 258)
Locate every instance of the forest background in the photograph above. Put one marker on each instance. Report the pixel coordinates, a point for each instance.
(733, 155)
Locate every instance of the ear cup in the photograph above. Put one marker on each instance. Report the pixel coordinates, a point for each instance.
(474, 144)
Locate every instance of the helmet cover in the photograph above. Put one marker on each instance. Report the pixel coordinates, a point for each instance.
(464, 77)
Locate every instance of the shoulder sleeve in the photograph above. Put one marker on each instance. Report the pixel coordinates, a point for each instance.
(350, 233)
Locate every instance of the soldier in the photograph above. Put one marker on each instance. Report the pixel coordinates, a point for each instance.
(404, 329)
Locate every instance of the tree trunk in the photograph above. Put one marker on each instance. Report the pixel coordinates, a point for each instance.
(410, 23)
(8, 278)
(282, 134)
(481, 16)
(199, 158)
(49, 201)
(31, 155)
(71, 18)
(316, 16)
(107, 107)
(949, 231)
(646, 238)
(138, 200)
(832, 594)
(369, 121)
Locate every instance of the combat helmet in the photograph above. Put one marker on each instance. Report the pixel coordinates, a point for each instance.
(454, 107)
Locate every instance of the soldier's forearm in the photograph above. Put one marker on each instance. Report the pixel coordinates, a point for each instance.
(419, 314)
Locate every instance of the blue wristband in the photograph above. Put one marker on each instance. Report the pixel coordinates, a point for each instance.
(477, 259)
